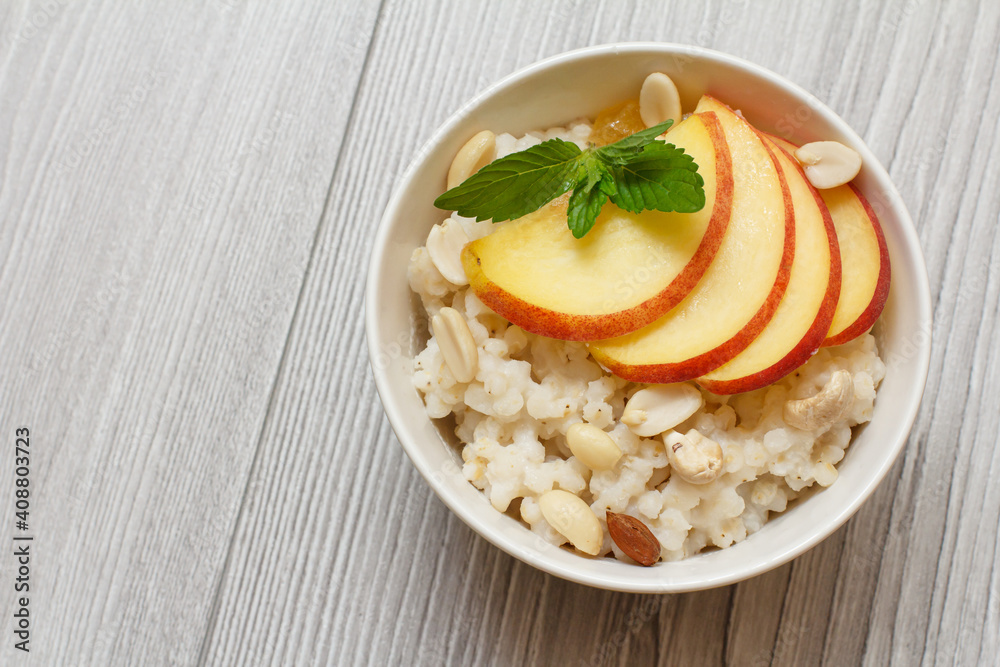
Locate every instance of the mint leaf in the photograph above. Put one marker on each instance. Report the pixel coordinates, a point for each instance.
(518, 184)
(636, 173)
(661, 177)
(585, 205)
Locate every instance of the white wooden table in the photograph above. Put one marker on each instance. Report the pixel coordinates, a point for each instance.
(188, 195)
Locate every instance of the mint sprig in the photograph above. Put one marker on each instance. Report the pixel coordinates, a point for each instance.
(636, 173)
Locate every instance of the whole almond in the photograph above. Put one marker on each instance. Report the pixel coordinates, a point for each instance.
(634, 538)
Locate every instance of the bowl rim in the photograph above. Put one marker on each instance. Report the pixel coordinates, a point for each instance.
(911, 250)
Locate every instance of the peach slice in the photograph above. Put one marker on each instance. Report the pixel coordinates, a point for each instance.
(739, 293)
(803, 318)
(628, 271)
(865, 259)
(865, 256)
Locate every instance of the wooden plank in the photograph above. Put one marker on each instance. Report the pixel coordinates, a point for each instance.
(941, 167)
(162, 174)
(755, 616)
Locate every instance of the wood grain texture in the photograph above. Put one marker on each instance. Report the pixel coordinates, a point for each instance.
(187, 204)
(162, 176)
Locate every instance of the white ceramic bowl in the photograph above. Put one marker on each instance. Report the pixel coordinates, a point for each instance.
(580, 83)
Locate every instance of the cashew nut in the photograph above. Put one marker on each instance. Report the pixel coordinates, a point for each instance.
(828, 163)
(444, 245)
(473, 156)
(825, 408)
(658, 408)
(592, 446)
(659, 100)
(573, 519)
(458, 347)
(695, 458)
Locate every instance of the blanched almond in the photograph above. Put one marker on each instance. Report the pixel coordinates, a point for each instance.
(473, 156)
(592, 446)
(661, 407)
(573, 519)
(828, 164)
(444, 245)
(659, 100)
(457, 345)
